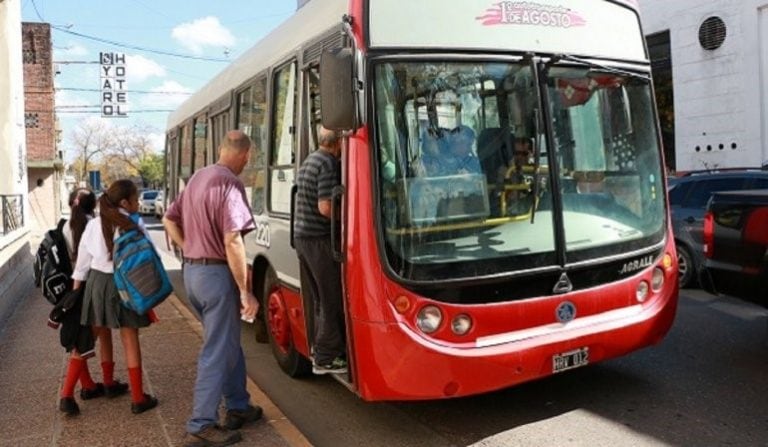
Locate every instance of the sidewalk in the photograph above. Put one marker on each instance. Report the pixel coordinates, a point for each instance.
(32, 366)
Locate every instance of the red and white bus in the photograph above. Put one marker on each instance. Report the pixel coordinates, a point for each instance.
(472, 280)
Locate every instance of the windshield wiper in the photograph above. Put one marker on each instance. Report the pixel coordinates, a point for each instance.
(613, 70)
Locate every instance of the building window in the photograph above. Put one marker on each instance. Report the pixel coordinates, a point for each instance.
(28, 54)
(712, 33)
(29, 57)
(31, 120)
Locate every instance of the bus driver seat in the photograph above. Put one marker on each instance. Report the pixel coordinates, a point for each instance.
(493, 150)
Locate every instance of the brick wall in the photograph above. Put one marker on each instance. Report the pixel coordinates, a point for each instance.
(38, 92)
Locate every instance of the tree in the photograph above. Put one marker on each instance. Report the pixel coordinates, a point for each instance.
(132, 144)
(151, 169)
(90, 139)
(117, 151)
(133, 148)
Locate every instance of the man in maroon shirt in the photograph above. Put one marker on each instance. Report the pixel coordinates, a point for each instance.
(208, 221)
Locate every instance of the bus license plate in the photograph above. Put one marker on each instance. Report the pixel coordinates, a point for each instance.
(569, 360)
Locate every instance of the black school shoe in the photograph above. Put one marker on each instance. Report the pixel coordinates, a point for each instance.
(237, 418)
(148, 403)
(93, 393)
(116, 389)
(68, 406)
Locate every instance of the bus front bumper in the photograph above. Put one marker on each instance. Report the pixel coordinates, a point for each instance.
(404, 365)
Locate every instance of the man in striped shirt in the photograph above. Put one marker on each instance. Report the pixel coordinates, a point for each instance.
(320, 274)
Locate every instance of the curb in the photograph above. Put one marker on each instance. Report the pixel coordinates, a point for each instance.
(272, 414)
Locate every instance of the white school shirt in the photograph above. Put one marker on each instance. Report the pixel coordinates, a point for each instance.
(69, 238)
(92, 252)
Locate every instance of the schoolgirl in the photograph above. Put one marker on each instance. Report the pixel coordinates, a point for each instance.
(101, 302)
(82, 204)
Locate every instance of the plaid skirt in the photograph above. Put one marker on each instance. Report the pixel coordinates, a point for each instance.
(101, 305)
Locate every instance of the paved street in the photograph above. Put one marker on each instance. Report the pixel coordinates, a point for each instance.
(702, 386)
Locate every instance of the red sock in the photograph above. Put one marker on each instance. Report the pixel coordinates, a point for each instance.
(108, 370)
(74, 367)
(86, 381)
(137, 388)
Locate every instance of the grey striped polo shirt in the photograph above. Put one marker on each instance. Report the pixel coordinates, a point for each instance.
(318, 174)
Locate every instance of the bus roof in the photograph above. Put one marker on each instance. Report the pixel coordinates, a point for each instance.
(311, 20)
(314, 18)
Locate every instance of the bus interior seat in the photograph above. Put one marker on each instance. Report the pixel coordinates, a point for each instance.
(428, 137)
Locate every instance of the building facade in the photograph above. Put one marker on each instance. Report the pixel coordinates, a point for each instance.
(711, 77)
(44, 162)
(15, 251)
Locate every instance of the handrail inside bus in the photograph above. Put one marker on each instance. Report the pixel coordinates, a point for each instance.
(408, 231)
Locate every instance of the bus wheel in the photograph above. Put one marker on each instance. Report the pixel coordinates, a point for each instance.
(279, 330)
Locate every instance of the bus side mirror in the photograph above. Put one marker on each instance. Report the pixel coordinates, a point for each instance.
(337, 89)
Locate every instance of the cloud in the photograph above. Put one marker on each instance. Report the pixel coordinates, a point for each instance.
(157, 142)
(201, 33)
(71, 50)
(139, 68)
(169, 96)
(67, 98)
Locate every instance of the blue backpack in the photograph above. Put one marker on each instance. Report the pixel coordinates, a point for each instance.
(140, 277)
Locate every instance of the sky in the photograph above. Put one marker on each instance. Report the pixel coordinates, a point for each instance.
(218, 31)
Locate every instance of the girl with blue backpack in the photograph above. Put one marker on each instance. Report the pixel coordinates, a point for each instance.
(101, 301)
(76, 338)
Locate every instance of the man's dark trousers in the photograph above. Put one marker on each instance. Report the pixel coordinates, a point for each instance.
(321, 283)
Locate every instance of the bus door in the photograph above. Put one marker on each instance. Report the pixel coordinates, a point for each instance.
(282, 162)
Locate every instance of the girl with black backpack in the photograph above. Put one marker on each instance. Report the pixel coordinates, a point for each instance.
(101, 303)
(76, 338)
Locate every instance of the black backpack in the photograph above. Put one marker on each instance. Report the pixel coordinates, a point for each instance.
(52, 267)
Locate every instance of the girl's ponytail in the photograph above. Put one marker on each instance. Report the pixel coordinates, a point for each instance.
(109, 210)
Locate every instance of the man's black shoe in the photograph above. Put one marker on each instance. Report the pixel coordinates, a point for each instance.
(237, 418)
(148, 403)
(93, 393)
(68, 406)
(213, 436)
(116, 389)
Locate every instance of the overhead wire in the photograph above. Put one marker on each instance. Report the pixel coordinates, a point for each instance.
(138, 48)
(39, 16)
(148, 92)
(97, 109)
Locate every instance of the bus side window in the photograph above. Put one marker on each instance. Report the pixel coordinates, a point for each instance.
(312, 117)
(283, 144)
(251, 119)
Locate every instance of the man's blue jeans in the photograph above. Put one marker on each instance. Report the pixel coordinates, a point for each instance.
(221, 366)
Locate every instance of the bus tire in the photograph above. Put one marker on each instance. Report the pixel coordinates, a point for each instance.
(279, 329)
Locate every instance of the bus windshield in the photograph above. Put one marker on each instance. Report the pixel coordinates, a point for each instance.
(466, 183)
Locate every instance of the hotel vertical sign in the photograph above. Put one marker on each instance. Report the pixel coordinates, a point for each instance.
(114, 98)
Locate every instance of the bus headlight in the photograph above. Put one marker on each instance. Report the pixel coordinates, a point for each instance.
(429, 319)
(642, 291)
(658, 279)
(461, 324)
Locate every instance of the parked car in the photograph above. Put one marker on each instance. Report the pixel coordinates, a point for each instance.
(736, 245)
(147, 201)
(688, 197)
(160, 205)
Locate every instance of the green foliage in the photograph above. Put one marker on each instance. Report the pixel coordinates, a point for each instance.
(151, 169)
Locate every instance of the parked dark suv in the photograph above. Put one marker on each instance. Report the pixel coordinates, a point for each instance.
(688, 197)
